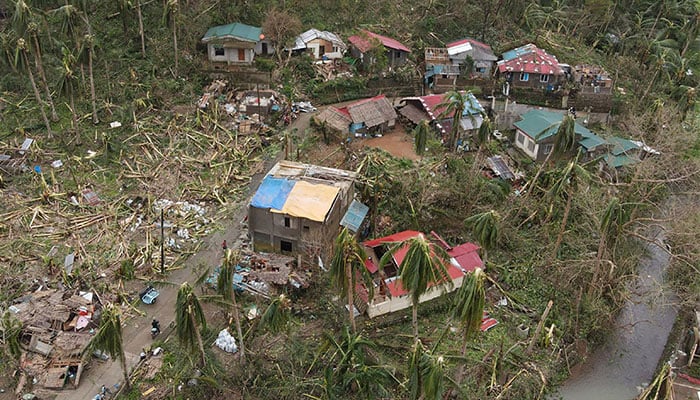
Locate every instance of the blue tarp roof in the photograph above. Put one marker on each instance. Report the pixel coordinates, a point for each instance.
(354, 216)
(272, 193)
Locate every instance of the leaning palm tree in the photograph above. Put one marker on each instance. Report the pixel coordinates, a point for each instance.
(469, 309)
(564, 143)
(109, 337)
(224, 287)
(454, 104)
(188, 318)
(485, 229)
(568, 179)
(482, 137)
(21, 63)
(277, 315)
(421, 131)
(424, 265)
(10, 334)
(615, 216)
(347, 264)
(350, 368)
(426, 374)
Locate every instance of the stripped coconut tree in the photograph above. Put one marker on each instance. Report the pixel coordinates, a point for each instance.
(188, 318)
(109, 337)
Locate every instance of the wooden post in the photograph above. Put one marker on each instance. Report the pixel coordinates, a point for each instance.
(162, 243)
(539, 326)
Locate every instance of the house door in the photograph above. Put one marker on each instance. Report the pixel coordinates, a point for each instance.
(285, 247)
(321, 51)
(241, 54)
(264, 47)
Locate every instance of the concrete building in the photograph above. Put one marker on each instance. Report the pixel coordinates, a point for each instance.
(298, 207)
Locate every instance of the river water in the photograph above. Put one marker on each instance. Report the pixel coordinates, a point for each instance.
(628, 360)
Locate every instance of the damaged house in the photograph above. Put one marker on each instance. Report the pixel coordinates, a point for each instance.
(417, 109)
(298, 207)
(389, 293)
(320, 44)
(367, 116)
(531, 67)
(362, 44)
(55, 335)
(467, 57)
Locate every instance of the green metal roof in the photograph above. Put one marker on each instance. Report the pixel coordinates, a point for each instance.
(622, 145)
(618, 161)
(541, 124)
(235, 30)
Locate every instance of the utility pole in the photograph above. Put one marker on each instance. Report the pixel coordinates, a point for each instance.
(162, 243)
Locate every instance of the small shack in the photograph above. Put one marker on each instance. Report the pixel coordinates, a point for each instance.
(56, 335)
(320, 44)
(362, 43)
(235, 44)
(367, 116)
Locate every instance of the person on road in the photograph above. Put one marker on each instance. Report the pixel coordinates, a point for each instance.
(155, 325)
(224, 245)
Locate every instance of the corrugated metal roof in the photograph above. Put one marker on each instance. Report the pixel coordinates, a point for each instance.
(354, 216)
(530, 59)
(500, 168)
(235, 31)
(621, 145)
(540, 125)
(364, 45)
(311, 34)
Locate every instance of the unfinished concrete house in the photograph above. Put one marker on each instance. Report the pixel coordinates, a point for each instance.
(55, 335)
(298, 207)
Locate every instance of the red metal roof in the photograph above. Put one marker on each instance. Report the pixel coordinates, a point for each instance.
(470, 41)
(533, 61)
(363, 44)
(466, 258)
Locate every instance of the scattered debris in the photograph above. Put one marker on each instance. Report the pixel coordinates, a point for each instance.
(226, 342)
(25, 145)
(91, 197)
(115, 124)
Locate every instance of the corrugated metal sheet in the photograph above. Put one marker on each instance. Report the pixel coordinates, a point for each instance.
(355, 215)
(272, 193)
(235, 31)
(301, 40)
(530, 59)
(363, 44)
(500, 168)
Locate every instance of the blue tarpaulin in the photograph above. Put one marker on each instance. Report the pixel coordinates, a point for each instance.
(354, 216)
(272, 193)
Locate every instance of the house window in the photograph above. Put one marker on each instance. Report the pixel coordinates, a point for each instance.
(398, 54)
(521, 138)
(306, 228)
(524, 76)
(547, 148)
(287, 222)
(285, 246)
(530, 145)
(481, 70)
(219, 51)
(544, 78)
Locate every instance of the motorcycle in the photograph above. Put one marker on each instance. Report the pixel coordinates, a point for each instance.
(155, 329)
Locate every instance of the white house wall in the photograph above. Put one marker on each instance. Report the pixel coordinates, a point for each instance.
(526, 142)
(392, 304)
(230, 55)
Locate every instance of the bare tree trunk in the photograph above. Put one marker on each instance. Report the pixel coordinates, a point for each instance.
(596, 272)
(37, 95)
(143, 39)
(237, 318)
(415, 321)
(122, 361)
(95, 119)
(42, 76)
(351, 296)
(538, 330)
(562, 228)
(175, 42)
(199, 340)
